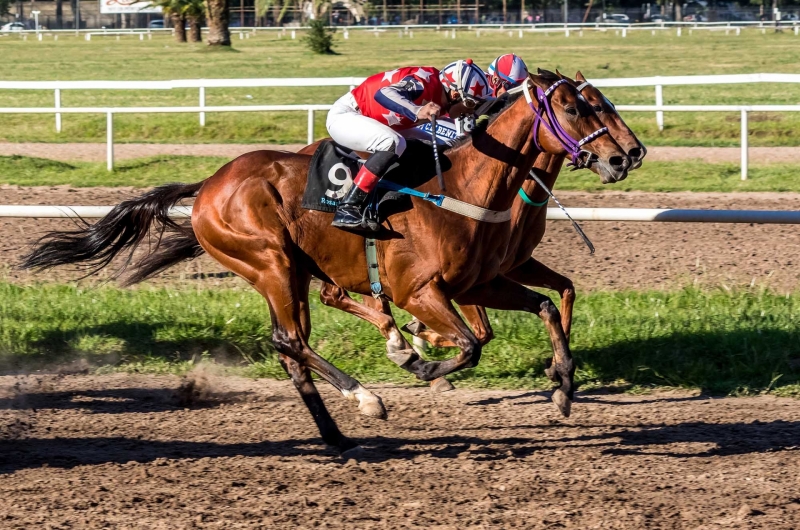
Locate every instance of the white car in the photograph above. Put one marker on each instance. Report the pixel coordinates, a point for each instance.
(12, 27)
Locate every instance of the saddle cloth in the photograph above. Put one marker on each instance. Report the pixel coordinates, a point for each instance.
(331, 173)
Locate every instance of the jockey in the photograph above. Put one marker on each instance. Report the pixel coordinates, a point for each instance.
(375, 116)
(505, 73)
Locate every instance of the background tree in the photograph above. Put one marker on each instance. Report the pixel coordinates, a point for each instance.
(217, 17)
(194, 10)
(5, 6)
(173, 9)
(319, 37)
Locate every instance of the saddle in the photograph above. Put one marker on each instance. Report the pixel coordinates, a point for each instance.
(333, 167)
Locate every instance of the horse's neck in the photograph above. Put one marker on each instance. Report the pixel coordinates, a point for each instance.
(547, 168)
(492, 168)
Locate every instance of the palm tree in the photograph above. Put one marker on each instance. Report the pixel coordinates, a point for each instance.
(174, 10)
(194, 10)
(217, 18)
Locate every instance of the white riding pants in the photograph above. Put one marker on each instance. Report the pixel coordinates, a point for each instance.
(348, 127)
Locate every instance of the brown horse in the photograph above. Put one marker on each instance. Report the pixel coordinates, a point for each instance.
(529, 222)
(528, 227)
(248, 217)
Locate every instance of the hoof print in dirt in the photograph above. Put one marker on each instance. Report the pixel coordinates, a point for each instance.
(357, 453)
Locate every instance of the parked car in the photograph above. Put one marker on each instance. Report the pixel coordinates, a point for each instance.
(660, 18)
(156, 24)
(615, 18)
(12, 27)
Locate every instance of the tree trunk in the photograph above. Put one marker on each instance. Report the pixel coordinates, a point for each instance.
(59, 14)
(217, 17)
(195, 35)
(179, 25)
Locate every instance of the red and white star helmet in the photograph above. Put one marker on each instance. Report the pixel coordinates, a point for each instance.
(466, 78)
(507, 71)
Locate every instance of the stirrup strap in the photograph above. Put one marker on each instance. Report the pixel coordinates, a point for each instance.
(372, 268)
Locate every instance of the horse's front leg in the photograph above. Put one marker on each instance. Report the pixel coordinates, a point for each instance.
(537, 274)
(379, 314)
(475, 316)
(502, 293)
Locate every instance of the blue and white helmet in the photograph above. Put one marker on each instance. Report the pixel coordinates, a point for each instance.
(466, 78)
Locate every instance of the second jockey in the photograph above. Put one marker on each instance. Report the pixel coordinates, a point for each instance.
(375, 115)
(506, 72)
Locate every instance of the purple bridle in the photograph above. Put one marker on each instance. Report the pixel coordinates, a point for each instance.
(573, 147)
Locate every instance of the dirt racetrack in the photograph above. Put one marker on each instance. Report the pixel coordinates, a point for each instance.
(629, 255)
(122, 451)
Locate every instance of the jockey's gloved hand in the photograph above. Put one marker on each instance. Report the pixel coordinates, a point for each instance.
(482, 121)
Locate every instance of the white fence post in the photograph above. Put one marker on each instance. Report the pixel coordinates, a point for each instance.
(744, 144)
(660, 102)
(202, 104)
(310, 126)
(58, 114)
(110, 141)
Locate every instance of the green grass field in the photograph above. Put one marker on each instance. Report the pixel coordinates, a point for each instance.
(266, 55)
(145, 172)
(719, 341)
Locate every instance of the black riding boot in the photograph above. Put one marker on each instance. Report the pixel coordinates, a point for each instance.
(352, 214)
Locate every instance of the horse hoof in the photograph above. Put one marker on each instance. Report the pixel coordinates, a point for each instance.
(401, 357)
(441, 385)
(372, 406)
(413, 327)
(562, 402)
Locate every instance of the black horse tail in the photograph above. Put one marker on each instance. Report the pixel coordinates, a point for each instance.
(181, 245)
(92, 247)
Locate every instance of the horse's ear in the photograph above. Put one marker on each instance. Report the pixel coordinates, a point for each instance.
(546, 73)
(559, 74)
(579, 77)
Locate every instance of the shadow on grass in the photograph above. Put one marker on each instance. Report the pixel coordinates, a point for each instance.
(130, 341)
(729, 362)
(32, 162)
(715, 440)
(119, 400)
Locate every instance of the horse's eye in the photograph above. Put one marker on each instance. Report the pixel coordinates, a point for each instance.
(598, 108)
(572, 110)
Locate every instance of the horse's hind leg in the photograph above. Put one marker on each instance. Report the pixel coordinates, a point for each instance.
(379, 314)
(301, 377)
(279, 286)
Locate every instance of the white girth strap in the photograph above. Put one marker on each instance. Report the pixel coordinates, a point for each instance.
(475, 212)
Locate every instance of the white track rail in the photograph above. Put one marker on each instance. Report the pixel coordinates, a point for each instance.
(579, 214)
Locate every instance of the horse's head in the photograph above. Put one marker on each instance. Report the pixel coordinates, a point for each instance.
(607, 113)
(566, 123)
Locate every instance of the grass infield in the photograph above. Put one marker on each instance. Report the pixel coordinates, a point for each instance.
(145, 172)
(728, 342)
(267, 55)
